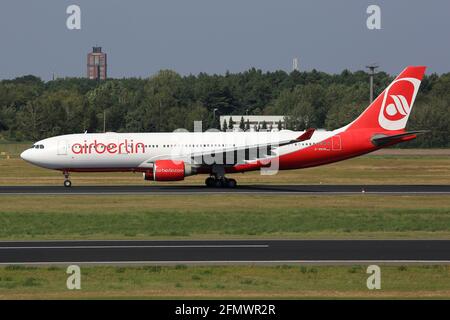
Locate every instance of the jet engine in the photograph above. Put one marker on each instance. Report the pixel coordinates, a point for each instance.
(169, 170)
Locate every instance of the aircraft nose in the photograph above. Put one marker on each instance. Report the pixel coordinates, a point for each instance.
(26, 155)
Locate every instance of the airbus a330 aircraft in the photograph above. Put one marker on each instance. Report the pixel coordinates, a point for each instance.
(173, 156)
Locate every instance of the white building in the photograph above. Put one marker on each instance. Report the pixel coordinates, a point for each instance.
(254, 121)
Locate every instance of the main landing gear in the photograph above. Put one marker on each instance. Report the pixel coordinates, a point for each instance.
(67, 182)
(213, 182)
(218, 180)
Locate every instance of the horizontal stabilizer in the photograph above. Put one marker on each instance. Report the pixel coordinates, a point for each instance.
(382, 139)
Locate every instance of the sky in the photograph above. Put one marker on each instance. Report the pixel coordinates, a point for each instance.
(142, 37)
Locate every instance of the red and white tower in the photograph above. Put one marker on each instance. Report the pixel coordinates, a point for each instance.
(96, 64)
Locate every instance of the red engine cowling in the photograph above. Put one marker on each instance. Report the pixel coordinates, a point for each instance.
(169, 170)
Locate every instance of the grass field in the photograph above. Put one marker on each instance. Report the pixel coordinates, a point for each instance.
(219, 217)
(225, 282)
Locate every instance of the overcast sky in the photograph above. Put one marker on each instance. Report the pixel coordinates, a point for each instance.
(192, 36)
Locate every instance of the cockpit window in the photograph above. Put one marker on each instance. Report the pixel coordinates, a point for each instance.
(37, 146)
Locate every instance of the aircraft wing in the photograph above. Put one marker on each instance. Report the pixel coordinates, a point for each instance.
(250, 153)
(245, 154)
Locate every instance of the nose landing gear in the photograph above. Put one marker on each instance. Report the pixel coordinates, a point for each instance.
(67, 182)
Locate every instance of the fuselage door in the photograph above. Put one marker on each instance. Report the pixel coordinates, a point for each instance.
(336, 143)
(62, 148)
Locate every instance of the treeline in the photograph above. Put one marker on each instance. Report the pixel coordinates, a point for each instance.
(31, 109)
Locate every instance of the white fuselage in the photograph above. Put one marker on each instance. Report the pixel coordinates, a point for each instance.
(135, 150)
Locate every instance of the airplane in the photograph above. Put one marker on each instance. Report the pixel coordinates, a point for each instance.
(176, 155)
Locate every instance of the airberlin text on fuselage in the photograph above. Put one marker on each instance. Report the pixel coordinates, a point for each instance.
(124, 147)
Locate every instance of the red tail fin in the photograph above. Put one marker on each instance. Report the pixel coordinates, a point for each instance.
(391, 109)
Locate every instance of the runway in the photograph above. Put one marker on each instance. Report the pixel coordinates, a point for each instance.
(245, 189)
(225, 252)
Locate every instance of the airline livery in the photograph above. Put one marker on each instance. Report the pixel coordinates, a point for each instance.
(173, 156)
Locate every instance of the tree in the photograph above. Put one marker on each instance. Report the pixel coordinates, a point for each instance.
(31, 109)
(224, 126)
(7, 118)
(92, 123)
(432, 114)
(242, 124)
(264, 125)
(341, 115)
(303, 106)
(195, 112)
(231, 124)
(31, 121)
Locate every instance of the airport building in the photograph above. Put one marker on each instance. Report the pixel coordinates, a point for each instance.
(96, 64)
(255, 122)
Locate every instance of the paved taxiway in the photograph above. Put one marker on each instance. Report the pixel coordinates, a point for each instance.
(245, 189)
(225, 251)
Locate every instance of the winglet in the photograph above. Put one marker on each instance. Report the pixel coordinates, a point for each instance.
(306, 135)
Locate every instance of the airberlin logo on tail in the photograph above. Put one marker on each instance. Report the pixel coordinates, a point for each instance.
(397, 103)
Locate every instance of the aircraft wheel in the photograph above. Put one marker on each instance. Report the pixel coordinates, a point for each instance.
(210, 182)
(231, 183)
(67, 183)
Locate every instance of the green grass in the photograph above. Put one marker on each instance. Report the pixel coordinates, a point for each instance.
(223, 216)
(288, 281)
